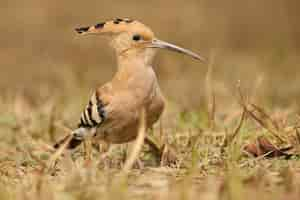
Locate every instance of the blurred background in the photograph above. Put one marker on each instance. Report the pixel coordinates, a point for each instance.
(255, 42)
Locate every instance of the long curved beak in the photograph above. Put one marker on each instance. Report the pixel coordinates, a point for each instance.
(155, 43)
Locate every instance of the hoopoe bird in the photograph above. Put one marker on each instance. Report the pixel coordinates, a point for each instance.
(112, 113)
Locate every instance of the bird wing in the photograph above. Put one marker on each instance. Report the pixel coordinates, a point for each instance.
(95, 112)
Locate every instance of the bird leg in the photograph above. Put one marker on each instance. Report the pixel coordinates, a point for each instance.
(164, 152)
(154, 145)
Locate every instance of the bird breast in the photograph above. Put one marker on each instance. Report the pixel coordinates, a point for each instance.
(123, 112)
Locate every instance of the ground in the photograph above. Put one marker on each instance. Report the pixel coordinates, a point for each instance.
(209, 147)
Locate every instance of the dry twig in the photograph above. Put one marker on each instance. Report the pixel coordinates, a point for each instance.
(138, 144)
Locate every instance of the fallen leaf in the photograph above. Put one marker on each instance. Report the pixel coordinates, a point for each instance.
(263, 147)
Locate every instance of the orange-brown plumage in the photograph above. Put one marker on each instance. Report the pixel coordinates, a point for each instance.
(112, 113)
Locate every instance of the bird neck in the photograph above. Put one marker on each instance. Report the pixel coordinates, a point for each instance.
(129, 67)
(142, 56)
(134, 73)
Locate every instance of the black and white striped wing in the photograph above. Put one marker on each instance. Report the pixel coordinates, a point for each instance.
(94, 113)
(92, 117)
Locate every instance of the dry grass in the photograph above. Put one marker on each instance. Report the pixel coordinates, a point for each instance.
(210, 163)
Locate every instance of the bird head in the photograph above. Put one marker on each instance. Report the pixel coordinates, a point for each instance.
(131, 38)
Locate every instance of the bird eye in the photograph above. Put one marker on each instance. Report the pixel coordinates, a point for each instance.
(136, 37)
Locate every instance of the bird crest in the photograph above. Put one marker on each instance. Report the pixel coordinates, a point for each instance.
(116, 26)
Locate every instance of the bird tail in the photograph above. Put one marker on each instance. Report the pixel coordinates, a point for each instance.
(77, 135)
(74, 142)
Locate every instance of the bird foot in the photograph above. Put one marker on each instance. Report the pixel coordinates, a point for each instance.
(165, 153)
(169, 156)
